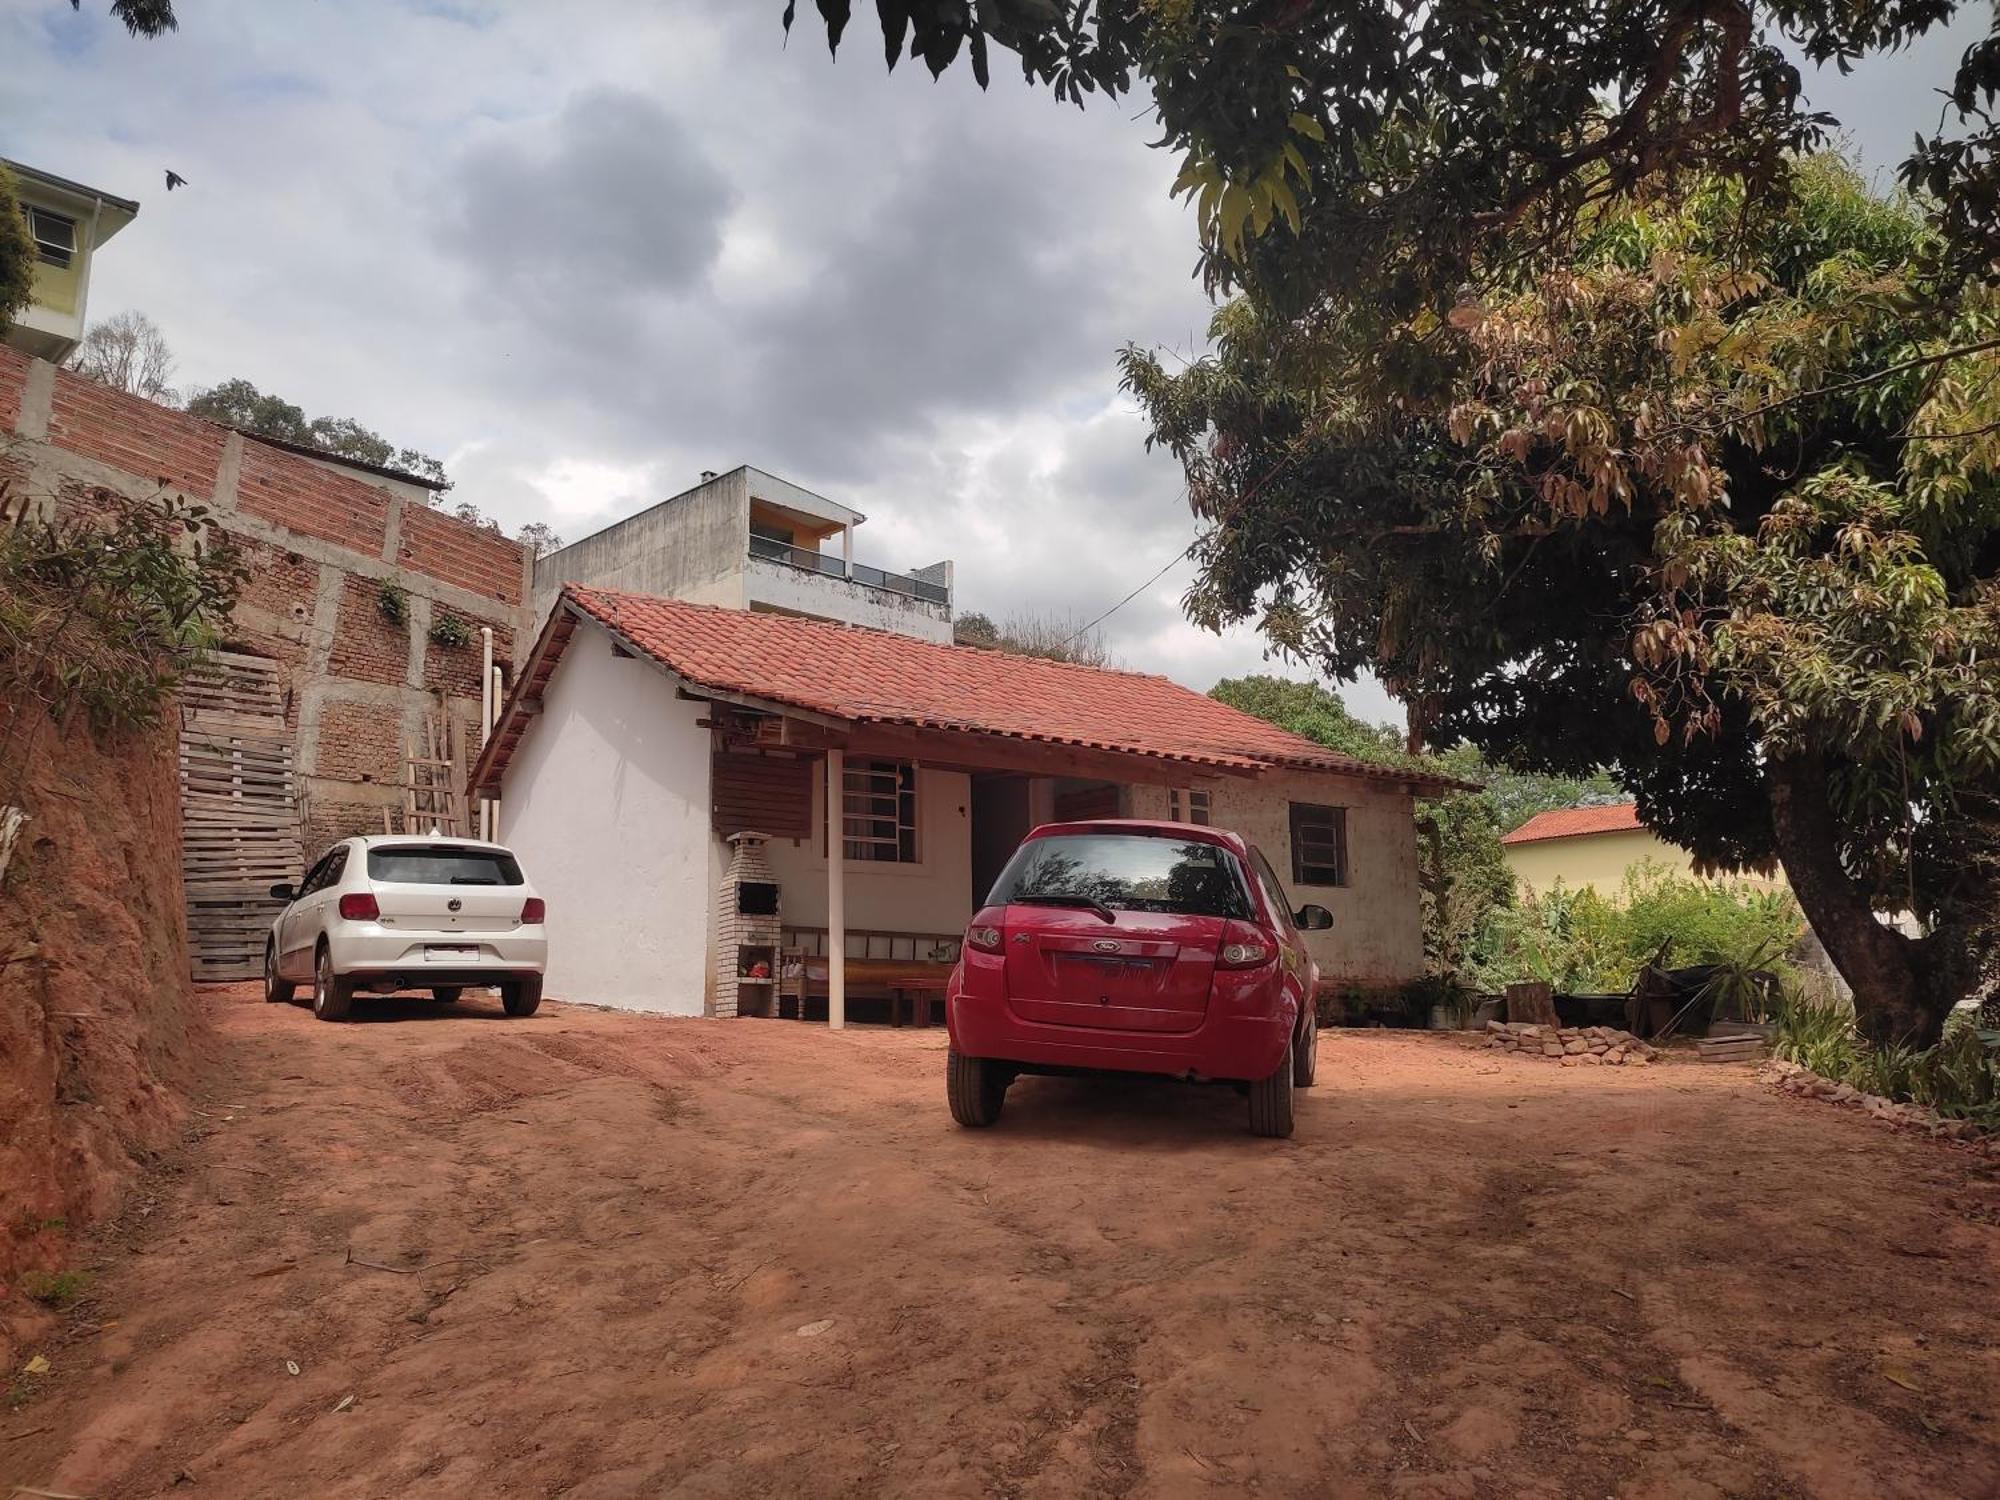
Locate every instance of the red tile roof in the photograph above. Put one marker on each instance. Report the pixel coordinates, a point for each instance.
(1573, 822)
(863, 676)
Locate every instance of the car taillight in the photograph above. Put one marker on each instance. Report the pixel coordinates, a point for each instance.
(987, 939)
(533, 910)
(359, 906)
(1243, 947)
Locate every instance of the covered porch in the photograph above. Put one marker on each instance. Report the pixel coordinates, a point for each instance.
(924, 818)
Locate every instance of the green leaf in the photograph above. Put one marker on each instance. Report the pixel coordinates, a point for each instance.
(1235, 212)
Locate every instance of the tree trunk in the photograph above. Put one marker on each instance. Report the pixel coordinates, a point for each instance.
(1896, 995)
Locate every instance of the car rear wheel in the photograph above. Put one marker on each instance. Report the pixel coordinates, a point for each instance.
(1305, 1051)
(444, 994)
(276, 991)
(333, 997)
(519, 997)
(1271, 1099)
(976, 1087)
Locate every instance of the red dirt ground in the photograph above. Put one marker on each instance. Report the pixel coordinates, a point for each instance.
(753, 1258)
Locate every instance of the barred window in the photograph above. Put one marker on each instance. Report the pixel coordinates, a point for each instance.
(878, 815)
(1319, 844)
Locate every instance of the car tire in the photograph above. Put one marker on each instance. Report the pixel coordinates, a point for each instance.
(976, 1087)
(276, 991)
(1271, 1100)
(333, 996)
(520, 997)
(445, 994)
(1305, 1051)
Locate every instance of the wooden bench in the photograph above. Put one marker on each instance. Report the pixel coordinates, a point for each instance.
(909, 984)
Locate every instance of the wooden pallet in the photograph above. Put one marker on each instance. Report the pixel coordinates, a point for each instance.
(239, 811)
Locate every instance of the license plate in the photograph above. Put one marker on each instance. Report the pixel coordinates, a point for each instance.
(450, 953)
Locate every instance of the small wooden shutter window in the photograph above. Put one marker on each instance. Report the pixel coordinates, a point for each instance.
(763, 793)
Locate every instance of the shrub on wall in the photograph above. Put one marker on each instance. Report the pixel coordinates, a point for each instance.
(450, 632)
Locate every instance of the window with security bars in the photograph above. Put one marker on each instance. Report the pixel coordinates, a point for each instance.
(1187, 807)
(1319, 844)
(878, 814)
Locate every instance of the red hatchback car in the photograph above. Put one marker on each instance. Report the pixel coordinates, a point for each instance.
(1135, 947)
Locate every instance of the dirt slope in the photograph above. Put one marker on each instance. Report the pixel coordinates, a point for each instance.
(751, 1258)
(94, 1008)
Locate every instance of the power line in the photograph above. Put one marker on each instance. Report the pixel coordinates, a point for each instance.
(1242, 500)
(1177, 557)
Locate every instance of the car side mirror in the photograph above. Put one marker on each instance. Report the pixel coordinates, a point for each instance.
(283, 891)
(1312, 918)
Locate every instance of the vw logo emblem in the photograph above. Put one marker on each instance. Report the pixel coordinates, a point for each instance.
(453, 904)
(1105, 945)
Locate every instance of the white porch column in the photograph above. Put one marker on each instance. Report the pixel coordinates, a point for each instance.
(847, 549)
(836, 892)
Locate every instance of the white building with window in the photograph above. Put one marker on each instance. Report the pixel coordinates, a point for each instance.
(67, 222)
(731, 811)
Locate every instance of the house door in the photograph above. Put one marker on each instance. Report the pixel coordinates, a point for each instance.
(1000, 819)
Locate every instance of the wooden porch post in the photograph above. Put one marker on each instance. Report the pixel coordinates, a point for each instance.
(836, 892)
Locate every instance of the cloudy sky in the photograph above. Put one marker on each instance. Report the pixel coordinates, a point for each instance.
(584, 251)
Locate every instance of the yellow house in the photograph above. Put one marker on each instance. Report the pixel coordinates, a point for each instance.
(1593, 846)
(67, 222)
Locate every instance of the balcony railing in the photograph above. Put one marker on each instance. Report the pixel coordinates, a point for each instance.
(806, 560)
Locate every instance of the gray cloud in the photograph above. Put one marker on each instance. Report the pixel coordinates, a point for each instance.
(612, 200)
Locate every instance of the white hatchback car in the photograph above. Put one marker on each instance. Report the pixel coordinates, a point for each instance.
(408, 912)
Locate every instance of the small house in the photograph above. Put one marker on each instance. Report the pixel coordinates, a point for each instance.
(734, 812)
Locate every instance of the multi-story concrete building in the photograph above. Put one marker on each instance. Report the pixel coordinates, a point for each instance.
(750, 540)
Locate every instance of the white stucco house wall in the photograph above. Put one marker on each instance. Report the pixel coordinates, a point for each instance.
(656, 755)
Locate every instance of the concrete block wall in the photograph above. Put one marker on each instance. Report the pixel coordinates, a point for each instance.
(320, 544)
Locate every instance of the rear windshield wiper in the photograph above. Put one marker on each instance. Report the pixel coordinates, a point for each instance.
(1084, 903)
(472, 880)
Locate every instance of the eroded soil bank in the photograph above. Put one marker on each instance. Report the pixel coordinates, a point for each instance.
(95, 1043)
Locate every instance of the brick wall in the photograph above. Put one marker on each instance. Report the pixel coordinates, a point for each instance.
(361, 742)
(316, 541)
(303, 496)
(135, 436)
(368, 646)
(445, 547)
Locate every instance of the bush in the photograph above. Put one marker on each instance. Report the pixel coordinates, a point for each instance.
(1959, 1077)
(103, 610)
(1578, 940)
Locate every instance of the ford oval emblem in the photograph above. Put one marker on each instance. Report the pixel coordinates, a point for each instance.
(1105, 945)
(453, 904)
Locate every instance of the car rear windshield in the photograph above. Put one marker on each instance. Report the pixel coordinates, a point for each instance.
(1126, 872)
(423, 864)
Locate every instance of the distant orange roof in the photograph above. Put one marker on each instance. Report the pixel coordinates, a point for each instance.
(1574, 822)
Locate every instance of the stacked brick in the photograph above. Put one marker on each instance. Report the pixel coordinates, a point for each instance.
(321, 541)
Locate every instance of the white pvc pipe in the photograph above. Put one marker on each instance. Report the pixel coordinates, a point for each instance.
(485, 717)
(836, 893)
(493, 805)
